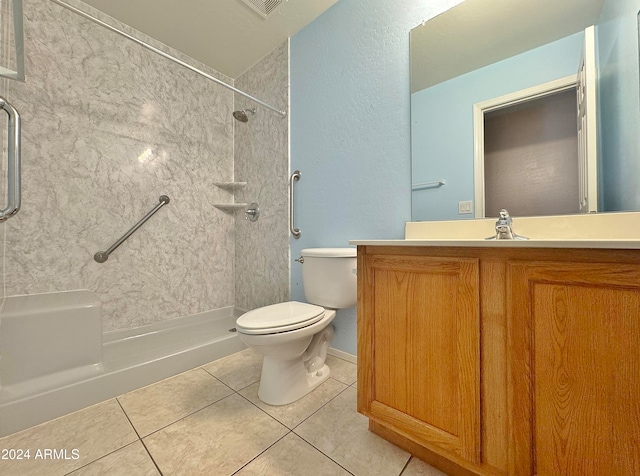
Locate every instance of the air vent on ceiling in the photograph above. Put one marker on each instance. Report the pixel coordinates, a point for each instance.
(263, 7)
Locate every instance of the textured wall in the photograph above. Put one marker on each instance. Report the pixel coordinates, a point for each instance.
(262, 160)
(108, 127)
(350, 128)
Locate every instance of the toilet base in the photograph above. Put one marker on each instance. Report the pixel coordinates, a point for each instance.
(291, 381)
(285, 381)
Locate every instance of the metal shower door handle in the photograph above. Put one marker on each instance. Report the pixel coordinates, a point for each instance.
(13, 161)
(295, 176)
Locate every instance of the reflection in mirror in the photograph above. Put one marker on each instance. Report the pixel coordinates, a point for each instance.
(482, 50)
(527, 156)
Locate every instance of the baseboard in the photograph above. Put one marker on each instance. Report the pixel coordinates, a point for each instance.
(343, 355)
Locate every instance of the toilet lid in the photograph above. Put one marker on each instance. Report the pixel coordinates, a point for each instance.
(280, 317)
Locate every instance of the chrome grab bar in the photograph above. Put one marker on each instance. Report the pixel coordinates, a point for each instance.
(13, 159)
(295, 176)
(102, 256)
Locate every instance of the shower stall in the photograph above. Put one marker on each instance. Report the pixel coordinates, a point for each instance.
(109, 125)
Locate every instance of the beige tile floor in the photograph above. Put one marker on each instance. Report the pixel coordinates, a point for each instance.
(209, 421)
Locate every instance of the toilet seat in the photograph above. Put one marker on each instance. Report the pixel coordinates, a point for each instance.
(282, 317)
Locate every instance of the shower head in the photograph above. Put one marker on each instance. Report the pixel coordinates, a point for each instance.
(242, 115)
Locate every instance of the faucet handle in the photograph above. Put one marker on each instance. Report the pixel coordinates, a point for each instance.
(252, 213)
(504, 230)
(504, 216)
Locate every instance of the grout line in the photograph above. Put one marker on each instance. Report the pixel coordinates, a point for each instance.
(236, 392)
(101, 457)
(217, 379)
(323, 405)
(262, 452)
(264, 411)
(187, 416)
(117, 449)
(151, 456)
(127, 416)
(321, 452)
(307, 417)
(183, 417)
(139, 438)
(406, 465)
(291, 430)
(311, 444)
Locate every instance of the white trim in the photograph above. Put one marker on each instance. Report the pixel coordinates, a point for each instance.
(479, 109)
(343, 355)
(588, 134)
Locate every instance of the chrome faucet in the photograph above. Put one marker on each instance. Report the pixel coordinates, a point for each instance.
(504, 230)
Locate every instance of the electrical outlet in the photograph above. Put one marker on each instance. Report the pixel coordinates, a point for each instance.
(465, 207)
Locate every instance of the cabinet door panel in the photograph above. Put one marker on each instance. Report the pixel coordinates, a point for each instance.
(426, 377)
(415, 333)
(576, 329)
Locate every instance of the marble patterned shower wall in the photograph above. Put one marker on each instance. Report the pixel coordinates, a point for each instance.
(3, 188)
(262, 160)
(108, 127)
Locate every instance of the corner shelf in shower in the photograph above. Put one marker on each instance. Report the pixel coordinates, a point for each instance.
(230, 186)
(230, 206)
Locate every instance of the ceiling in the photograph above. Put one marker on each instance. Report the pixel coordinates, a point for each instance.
(227, 35)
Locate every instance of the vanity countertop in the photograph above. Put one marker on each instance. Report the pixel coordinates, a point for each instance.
(472, 243)
(600, 230)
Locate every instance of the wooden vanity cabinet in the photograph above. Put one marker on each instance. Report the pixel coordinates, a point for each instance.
(575, 339)
(515, 361)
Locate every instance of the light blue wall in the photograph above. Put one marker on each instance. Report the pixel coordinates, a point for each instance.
(350, 129)
(617, 35)
(350, 121)
(442, 122)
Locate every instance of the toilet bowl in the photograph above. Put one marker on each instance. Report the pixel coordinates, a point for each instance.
(294, 337)
(294, 353)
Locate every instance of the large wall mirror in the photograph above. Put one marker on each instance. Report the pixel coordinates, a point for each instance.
(530, 105)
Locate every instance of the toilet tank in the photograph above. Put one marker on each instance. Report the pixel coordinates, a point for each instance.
(329, 277)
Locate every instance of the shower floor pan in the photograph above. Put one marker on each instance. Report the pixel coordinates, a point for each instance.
(130, 359)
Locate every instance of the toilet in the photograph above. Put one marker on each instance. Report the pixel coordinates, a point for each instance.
(294, 337)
